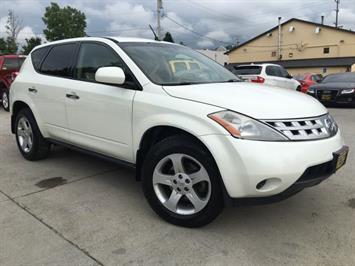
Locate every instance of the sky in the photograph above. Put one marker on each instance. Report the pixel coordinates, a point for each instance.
(197, 23)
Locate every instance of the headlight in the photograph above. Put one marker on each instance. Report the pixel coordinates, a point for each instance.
(347, 91)
(243, 127)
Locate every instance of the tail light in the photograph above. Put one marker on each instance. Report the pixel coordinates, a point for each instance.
(14, 75)
(258, 79)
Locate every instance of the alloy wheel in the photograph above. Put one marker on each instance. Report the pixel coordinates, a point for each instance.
(25, 134)
(5, 100)
(182, 184)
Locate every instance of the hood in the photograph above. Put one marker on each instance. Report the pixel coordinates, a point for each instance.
(334, 86)
(258, 101)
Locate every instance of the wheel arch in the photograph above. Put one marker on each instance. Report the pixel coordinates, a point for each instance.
(157, 133)
(17, 107)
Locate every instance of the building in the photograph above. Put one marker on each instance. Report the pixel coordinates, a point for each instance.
(304, 47)
(217, 55)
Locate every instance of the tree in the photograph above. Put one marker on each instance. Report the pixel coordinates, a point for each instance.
(13, 26)
(168, 37)
(62, 23)
(7, 46)
(30, 44)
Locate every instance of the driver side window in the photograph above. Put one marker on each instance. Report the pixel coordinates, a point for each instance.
(91, 57)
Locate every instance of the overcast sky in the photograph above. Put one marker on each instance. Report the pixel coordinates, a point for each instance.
(214, 22)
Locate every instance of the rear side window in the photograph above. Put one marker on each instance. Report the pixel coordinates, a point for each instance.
(274, 71)
(247, 70)
(58, 61)
(37, 56)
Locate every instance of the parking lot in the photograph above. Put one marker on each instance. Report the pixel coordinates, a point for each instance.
(72, 209)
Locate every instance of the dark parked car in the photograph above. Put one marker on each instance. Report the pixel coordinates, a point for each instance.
(9, 67)
(335, 89)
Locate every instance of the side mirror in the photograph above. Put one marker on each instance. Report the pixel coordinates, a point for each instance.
(289, 76)
(110, 75)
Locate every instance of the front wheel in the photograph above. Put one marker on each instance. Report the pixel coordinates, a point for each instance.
(5, 100)
(182, 183)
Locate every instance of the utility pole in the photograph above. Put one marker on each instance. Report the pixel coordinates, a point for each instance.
(279, 56)
(159, 7)
(337, 13)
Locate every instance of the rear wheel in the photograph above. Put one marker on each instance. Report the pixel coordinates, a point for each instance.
(29, 139)
(298, 88)
(5, 100)
(182, 183)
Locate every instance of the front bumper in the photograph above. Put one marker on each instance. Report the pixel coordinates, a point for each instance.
(335, 98)
(243, 164)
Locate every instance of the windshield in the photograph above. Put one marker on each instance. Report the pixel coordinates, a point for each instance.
(168, 64)
(344, 77)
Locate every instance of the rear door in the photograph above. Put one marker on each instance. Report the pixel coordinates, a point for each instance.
(100, 117)
(48, 92)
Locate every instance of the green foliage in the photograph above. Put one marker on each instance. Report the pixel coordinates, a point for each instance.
(168, 37)
(62, 23)
(30, 44)
(8, 46)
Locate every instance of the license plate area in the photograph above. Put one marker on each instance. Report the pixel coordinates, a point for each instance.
(340, 157)
(326, 97)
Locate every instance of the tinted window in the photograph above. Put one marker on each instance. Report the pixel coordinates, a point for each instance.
(344, 77)
(37, 56)
(247, 70)
(276, 71)
(13, 63)
(92, 56)
(300, 77)
(284, 72)
(317, 78)
(271, 71)
(58, 61)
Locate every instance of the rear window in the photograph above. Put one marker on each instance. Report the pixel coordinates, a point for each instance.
(13, 63)
(247, 70)
(300, 77)
(59, 60)
(344, 77)
(37, 56)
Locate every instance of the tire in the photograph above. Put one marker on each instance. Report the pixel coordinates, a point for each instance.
(5, 100)
(298, 89)
(195, 159)
(30, 141)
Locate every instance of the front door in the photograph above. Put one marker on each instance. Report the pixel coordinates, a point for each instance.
(99, 115)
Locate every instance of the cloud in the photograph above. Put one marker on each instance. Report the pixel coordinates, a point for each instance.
(223, 20)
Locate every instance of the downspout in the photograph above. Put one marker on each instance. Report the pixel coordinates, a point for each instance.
(279, 40)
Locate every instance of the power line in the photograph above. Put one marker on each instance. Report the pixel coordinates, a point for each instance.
(195, 32)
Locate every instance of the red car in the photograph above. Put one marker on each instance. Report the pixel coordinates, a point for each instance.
(308, 80)
(9, 67)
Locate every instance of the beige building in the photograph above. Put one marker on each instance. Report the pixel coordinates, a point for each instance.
(304, 47)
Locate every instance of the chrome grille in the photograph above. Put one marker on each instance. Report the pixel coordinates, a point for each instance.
(305, 128)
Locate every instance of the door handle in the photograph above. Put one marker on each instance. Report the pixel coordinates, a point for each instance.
(72, 96)
(33, 90)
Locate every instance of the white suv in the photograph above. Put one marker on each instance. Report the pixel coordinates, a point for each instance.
(199, 138)
(268, 74)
